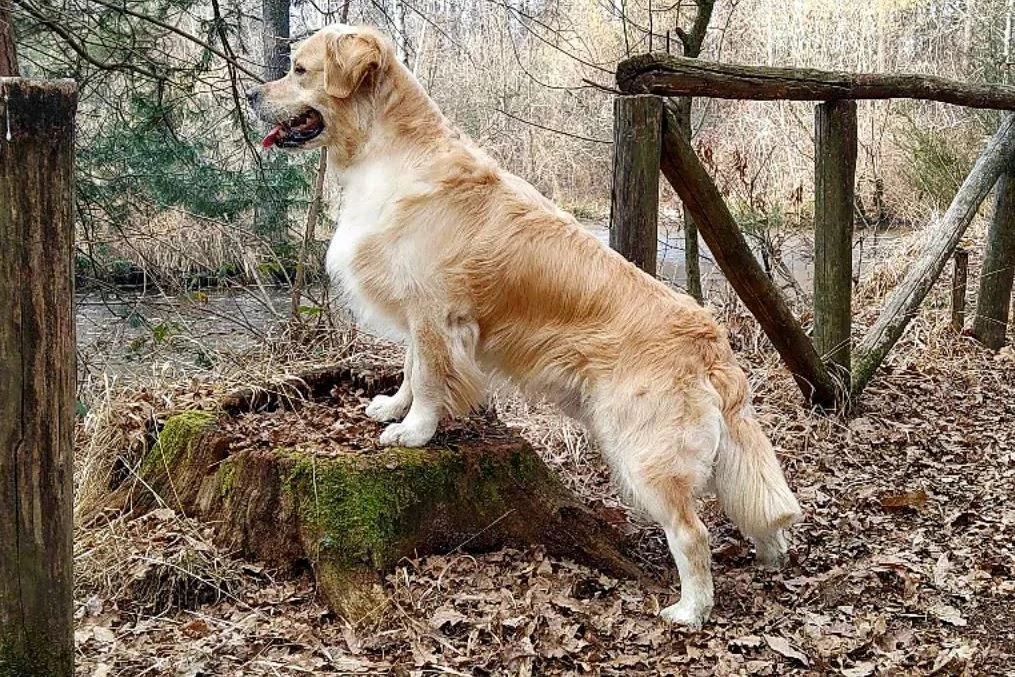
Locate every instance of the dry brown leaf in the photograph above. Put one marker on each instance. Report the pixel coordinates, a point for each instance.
(446, 615)
(781, 646)
(948, 614)
(196, 628)
(860, 670)
(910, 499)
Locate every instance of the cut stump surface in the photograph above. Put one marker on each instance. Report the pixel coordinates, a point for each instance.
(296, 480)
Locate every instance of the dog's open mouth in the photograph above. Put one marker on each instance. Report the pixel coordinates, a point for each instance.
(295, 132)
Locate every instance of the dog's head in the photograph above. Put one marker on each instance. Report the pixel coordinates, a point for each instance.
(324, 98)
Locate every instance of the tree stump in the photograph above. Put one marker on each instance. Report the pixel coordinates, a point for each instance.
(290, 481)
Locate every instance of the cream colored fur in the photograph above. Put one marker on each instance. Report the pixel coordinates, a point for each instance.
(481, 275)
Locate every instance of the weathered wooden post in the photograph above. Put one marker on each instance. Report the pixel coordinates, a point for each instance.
(994, 300)
(634, 209)
(834, 181)
(36, 376)
(959, 277)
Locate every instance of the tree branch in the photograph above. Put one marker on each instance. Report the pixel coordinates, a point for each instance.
(183, 34)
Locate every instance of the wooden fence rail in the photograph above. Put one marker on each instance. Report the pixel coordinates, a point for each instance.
(944, 237)
(960, 275)
(833, 372)
(668, 75)
(37, 357)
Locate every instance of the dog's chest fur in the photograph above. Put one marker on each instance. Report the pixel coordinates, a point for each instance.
(370, 197)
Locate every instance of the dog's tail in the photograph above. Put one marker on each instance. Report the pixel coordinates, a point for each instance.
(751, 487)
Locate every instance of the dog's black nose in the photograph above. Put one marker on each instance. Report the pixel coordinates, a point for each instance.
(254, 95)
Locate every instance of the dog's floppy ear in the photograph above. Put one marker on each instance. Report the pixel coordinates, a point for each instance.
(350, 59)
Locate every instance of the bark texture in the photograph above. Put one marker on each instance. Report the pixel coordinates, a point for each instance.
(8, 51)
(275, 38)
(834, 181)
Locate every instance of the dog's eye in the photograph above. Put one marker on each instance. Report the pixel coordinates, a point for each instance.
(299, 70)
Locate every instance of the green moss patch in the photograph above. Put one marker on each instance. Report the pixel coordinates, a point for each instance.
(177, 437)
(365, 510)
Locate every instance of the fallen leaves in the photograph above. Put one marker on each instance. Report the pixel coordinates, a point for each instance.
(903, 564)
(781, 646)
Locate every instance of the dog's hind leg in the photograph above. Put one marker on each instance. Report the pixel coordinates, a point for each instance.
(386, 408)
(666, 481)
(688, 542)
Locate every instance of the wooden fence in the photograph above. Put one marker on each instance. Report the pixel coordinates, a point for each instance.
(828, 370)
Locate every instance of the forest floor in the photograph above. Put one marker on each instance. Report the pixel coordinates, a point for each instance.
(904, 564)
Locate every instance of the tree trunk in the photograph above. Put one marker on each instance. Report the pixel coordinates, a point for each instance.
(634, 208)
(834, 181)
(695, 187)
(692, 43)
(271, 216)
(275, 38)
(994, 300)
(400, 36)
(692, 257)
(355, 512)
(8, 53)
(944, 237)
(37, 373)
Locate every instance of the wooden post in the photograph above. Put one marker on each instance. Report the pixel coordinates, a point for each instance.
(959, 289)
(834, 177)
(634, 210)
(36, 376)
(993, 303)
(696, 189)
(943, 238)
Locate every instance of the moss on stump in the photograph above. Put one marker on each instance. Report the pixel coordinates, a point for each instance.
(355, 512)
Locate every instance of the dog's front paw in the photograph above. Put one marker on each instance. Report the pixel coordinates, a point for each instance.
(687, 612)
(408, 433)
(383, 408)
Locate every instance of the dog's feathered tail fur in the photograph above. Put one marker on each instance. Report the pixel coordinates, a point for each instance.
(748, 480)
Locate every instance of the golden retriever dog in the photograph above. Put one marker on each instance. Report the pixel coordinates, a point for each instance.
(482, 276)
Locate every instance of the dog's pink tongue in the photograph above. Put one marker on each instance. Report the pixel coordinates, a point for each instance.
(269, 140)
